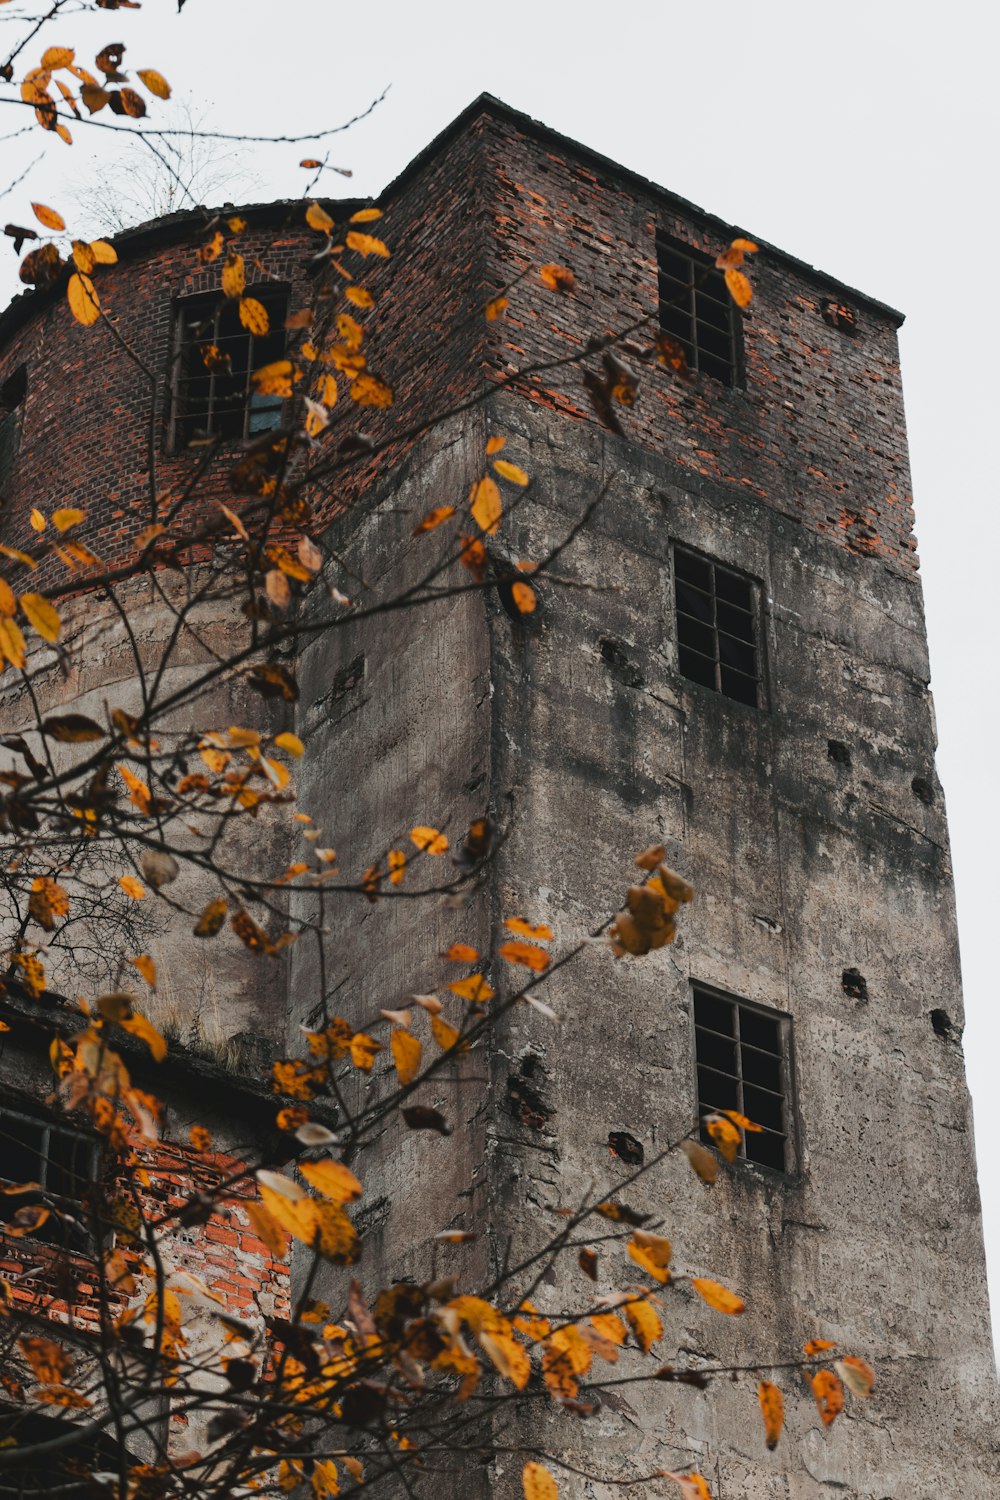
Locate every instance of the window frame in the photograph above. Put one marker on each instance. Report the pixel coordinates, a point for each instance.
(45, 1125)
(214, 304)
(786, 1055)
(757, 621)
(13, 398)
(703, 276)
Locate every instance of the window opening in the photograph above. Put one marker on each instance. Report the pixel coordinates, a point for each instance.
(215, 356)
(12, 394)
(697, 310)
(717, 628)
(61, 1161)
(742, 1063)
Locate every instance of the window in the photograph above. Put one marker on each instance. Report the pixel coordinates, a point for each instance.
(697, 310)
(742, 1057)
(12, 394)
(214, 357)
(717, 628)
(61, 1161)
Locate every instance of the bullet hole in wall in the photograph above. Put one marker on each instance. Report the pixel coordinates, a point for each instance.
(854, 984)
(626, 1148)
(838, 752)
(941, 1021)
(622, 669)
(922, 788)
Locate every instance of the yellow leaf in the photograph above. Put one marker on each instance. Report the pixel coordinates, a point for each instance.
(652, 1252)
(371, 390)
(818, 1346)
(364, 1050)
(36, 519)
(528, 954)
(537, 1483)
(524, 597)
(739, 288)
(290, 742)
(8, 600)
(645, 1323)
(828, 1394)
(429, 839)
(718, 1296)
(146, 967)
(253, 316)
(83, 257)
(103, 253)
(366, 244)
(48, 217)
(11, 642)
(493, 445)
(702, 1161)
(724, 1135)
(434, 518)
(146, 1032)
(41, 615)
(67, 516)
(609, 1326)
(462, 953)
(444, 1033)
(474, 987)
(82, 299)
(772, 1406)
(324, 1479)
(540, 932)
(359, 296)
(495, 308)
(487, 509)
(366, 215)
(233, 276)
(154, 81)
(511, 472)
(509, 1357)
(57, 57)
(318, 218)
(558, 278)
(268, 1229)
(274, 379)
(332, 1179)
(132, 887)
(856, 1375)
(397, 866)
(406, 1054)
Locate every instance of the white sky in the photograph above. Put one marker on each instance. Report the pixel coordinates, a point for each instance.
(861, 137)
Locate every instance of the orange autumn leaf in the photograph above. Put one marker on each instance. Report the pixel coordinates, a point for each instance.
(474, 987)
(317, 218)
(83, 300)
(146, 967)
(496, 308)
(48, 217)
(818, 1346)
(828, 1394)
(772, 1406)
(406, 1053)
(540, 932)
(444, 1033)
(527, 954)
(366, 244)
(725, 1136)
(494, 444)
(511, 472)
(524, 597)
(537, 1483)
(462, 953)
(397, 866)
(558, 278)
(429, 839)
(652, 1252)
(434, 518)
(486, 505)
(718, 1296)
(645, 1323)
(739, 288)
(42, 615)
(132, 887)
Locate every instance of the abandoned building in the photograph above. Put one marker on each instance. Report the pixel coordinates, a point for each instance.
(732, 662)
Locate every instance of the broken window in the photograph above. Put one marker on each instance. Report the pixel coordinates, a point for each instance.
(54, 1163)
(743, 1063)
(214, 357)
(717, 628)
(697, 311)
(12, 393)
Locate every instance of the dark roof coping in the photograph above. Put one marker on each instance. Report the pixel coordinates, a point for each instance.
(144, 237)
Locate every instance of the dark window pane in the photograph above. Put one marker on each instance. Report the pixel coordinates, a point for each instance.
(693, 570)
(715, 1014)
(763, 1108)
(767, 1149)
(716, 1091)
(734, 588)
(697, 668)
(760, 1031)
(761, 1068)
(700, 638)
(715, 1052)
(735, 622)
(213, 392)
(712, 343)
(694, 601)
(741, 689)
(695, 306)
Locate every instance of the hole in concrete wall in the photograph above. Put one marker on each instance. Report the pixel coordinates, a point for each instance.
(625, 1146)
(840, 315)
(854, 984)
(346, 679)
(941, 1021)
(922, 788)
(524, 1097)
(838, 752)
(621, 668)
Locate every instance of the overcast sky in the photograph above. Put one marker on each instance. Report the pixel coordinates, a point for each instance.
(861, 137)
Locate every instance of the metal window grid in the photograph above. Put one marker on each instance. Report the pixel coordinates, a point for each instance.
(31, 1137)
(716, 611)
(758, 1043)
(697, 310)
(213, 401)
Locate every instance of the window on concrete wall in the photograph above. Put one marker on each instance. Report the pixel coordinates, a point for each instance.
(717, 628)
(56, 1163)
(743, 1057)
(212, 395)
(12, 394)
(697, 310)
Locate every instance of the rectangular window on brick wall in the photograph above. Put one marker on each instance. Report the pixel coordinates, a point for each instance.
(12, 395)
(55, 1163)
(212, 394)
(697, 311)
(718, 628)
(743, 1058)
